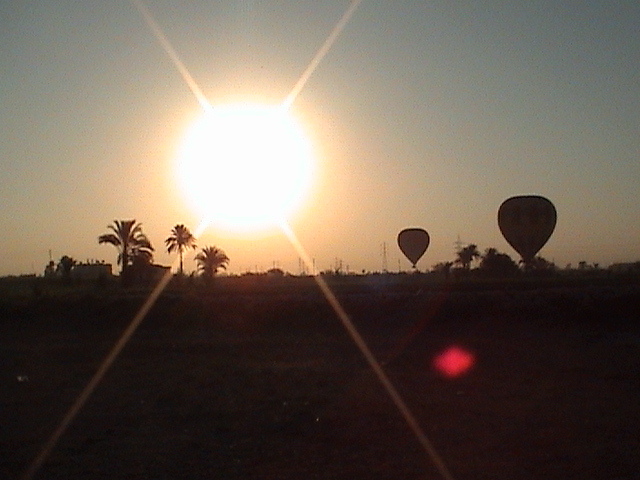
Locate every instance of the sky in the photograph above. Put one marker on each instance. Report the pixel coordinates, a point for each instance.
(421, 114)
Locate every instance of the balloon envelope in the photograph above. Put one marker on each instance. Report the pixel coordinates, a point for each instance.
(527, 222)
(413, 242)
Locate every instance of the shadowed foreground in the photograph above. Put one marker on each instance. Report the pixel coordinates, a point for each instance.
(270, 386)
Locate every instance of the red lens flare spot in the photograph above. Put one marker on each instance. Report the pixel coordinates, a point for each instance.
(454, 361)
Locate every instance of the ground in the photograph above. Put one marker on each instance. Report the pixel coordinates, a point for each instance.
(269, 385)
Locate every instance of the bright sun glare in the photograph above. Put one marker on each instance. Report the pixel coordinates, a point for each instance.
(246, 166)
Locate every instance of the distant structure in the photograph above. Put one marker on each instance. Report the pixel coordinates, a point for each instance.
(149, 274)
(384, 258)
(91, 271)
(302, 267)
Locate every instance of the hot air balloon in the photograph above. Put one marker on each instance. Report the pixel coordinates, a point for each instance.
(413, 242)
(527, 222)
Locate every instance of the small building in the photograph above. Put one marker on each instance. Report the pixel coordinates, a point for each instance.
(148, 274)
(91, 271)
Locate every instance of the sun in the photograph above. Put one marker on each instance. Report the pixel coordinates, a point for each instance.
(246, 167)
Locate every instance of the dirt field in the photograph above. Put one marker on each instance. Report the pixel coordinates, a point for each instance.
(246, 385)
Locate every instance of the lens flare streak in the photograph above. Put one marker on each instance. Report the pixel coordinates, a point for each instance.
(324, 49)
(161, 37)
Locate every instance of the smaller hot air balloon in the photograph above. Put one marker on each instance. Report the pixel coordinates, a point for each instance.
(413, 242)
(527, 222)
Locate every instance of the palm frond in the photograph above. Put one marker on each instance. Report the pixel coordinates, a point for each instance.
(110, 238)
(127, 237)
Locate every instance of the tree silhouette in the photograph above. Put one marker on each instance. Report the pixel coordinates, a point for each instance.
(499, 264)
(64, 267)
(50, 269)
(443, 268)
(540, 264)
(127, 237)
(210, 260)
(466, 255)
(180, 240)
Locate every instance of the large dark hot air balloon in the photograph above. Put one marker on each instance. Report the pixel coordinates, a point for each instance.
(413, 242)
(527, 222)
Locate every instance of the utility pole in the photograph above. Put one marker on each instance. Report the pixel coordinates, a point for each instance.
(384, 257)
(302, 266)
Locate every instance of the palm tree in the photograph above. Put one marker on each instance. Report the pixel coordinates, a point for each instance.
(210, 260)
(180, 240)
(127, 237)
(466, 255)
